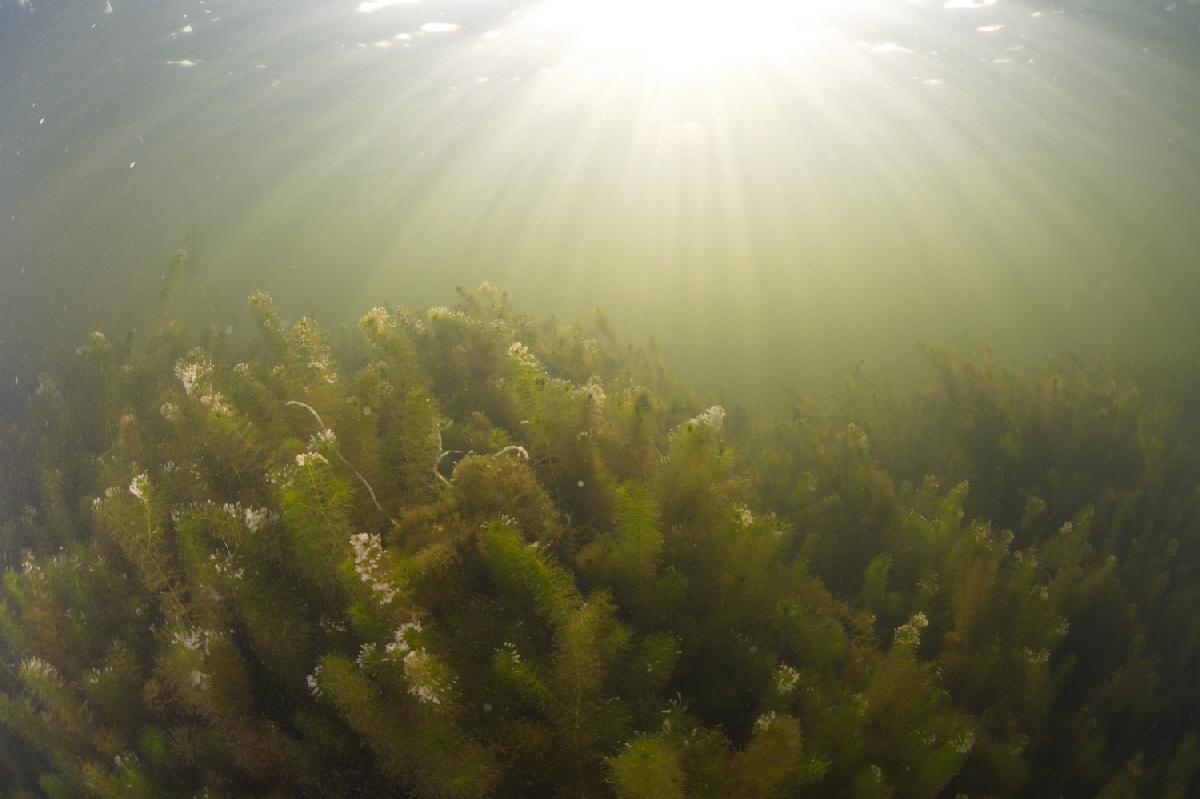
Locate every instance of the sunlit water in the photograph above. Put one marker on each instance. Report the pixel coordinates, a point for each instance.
(772, 190)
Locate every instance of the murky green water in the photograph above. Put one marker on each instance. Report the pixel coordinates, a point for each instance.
(772, 190)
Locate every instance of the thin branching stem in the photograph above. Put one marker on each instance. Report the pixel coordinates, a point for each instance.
(337, 451)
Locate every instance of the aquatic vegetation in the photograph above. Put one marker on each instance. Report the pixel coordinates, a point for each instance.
(467, 552)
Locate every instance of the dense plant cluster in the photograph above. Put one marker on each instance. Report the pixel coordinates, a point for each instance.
(465, 553)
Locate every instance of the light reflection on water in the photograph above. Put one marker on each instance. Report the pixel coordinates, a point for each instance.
(772, 189)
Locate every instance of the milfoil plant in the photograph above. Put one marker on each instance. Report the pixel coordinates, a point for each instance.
(463, 552)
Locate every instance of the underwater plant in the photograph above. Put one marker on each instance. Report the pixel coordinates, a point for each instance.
(464, 552)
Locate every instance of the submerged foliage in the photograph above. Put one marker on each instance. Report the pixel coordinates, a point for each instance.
(465, 553)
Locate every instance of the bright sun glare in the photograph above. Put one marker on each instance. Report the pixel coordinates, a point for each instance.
(680, 36)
